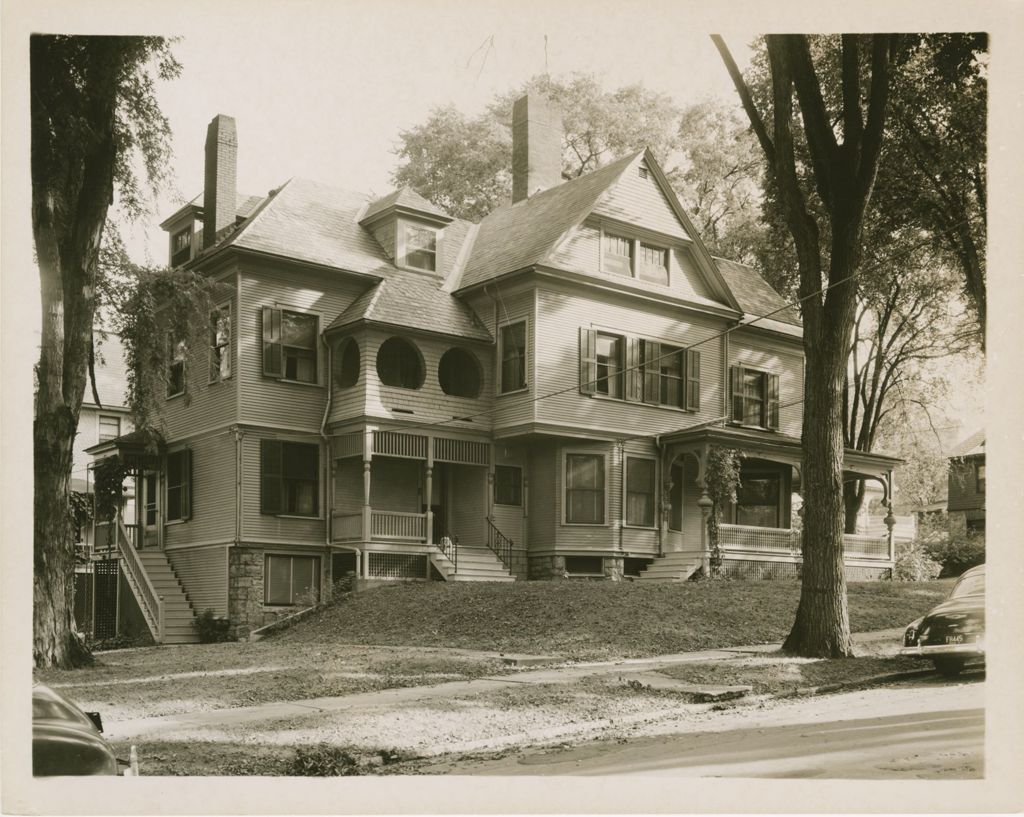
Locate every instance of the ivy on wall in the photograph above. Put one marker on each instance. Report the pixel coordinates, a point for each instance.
(722, 475)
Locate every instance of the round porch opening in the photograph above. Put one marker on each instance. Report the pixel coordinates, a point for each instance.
(459, 373)
(346, 363)
(399, 364)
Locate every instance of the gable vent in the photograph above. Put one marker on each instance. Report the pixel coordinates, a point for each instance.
(643, 172)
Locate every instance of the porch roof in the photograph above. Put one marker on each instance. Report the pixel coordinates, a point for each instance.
(776, 446)
(137, 449)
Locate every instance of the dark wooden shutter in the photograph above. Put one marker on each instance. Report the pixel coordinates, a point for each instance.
(772, 402)
(273, 364)
(652, 371)
(692, 401)
(634, 377)
(588, 360)
(271, 467)
(186, 486)
(736, 390)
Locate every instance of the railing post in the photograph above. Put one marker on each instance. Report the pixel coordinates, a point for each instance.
(428, 489)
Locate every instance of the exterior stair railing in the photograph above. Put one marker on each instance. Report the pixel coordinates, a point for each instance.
(151, 602)
(449, 546)
(499, 544)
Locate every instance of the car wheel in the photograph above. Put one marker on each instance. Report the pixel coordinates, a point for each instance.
(950, 667)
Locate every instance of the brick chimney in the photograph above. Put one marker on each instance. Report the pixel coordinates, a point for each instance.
(536, 146)
(220, 185)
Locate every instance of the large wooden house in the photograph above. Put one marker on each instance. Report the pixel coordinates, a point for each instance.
(396, 393)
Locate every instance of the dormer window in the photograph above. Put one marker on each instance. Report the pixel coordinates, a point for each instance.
(624, 255)
(181, 246)
(417, 246)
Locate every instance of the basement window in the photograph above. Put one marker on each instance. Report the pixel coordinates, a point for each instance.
(584, 565)
(292, 580)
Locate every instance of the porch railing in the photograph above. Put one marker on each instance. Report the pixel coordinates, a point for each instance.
(348, 527)
(499, 543)
(397, 525)
(782, 540)
(151, 602)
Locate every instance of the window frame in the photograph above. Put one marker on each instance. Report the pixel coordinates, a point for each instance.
(402, 246)
(498, 499)
(637, 242)
(177, 356)
(582, 452)
(780, 504)
(420, 362)
(176, 252)
(99, 427)
(275, 343)
(317, 577)
(473, 361)
(583, 573)
(655, 502)
(185, 487)
(500, 385)
(770, 399)
(216, 374)
(266, 508)
(979, 476)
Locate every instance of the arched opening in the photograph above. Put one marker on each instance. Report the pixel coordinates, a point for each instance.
(459, 373)
(399, 364)
(346, 363)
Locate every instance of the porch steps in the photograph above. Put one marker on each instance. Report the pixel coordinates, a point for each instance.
(476, 564)
(178, 613)
(672, 567)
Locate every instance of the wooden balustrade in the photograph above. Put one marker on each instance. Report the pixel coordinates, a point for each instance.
(397, 525)
(782, 540)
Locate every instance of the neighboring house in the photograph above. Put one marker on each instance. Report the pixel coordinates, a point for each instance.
(966, 503)
(393, 392)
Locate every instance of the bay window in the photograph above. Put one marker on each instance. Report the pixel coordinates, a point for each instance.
(584, 489)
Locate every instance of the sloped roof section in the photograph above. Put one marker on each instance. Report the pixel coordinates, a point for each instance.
(972, 446)
(755, 295)
(245, 206)
(406, 198)
(312, 222)
(522, 234)
(414, 300)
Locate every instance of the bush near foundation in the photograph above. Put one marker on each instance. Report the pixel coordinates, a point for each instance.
(958, 552)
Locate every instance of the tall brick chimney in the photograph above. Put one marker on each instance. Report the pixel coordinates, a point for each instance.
(220, 185)
(536, 146)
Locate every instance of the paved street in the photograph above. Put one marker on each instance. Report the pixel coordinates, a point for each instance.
(919, 730)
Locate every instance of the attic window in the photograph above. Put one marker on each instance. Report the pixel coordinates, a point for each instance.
(181, 246)
(417, 246)
(643, 172)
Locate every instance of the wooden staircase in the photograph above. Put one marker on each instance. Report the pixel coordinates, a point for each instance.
(473, 564)
(177, 611)
(677, 566)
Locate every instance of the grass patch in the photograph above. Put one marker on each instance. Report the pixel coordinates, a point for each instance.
(594, 619)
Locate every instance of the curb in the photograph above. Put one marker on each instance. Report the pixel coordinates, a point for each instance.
(876, 680)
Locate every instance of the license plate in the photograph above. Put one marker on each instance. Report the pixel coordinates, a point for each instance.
(954, 639)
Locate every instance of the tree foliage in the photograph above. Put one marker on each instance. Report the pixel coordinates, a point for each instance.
(94, 119)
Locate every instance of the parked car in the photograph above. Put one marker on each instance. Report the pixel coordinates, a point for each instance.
(67, 741)
(953, 632)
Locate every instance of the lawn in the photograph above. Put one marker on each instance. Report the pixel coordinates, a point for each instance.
(592, 620)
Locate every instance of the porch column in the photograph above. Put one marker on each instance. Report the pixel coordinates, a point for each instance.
(428, 488)
(367, 510)
(890, 520)
(704, 503)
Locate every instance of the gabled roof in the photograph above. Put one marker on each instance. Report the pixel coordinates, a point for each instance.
(416, 301)
(972, 446)
(315, 223)
(755, 295)
(520, 235)
(406, 199)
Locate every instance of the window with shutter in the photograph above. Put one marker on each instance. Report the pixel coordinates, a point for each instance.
(272, 366)
(755, 397)
(588, 361)
(289, 478)
(692, 380)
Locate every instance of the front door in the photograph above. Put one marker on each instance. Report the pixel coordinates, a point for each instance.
(439, 501)
(150, 510)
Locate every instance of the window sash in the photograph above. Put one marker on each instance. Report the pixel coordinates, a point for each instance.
(584, 489)
(109, 428)
(513, 356)
(179, 485)
(220, 344)
(759, 501)
(640, 492)
(289, 478)
(291, 580)
(653, 264)
(608, 374)
(618, 255)
(508, 485)
(420, 245)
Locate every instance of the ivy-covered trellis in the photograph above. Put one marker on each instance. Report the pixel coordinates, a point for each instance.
(722, 476)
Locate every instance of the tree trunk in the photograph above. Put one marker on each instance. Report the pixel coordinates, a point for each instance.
(853, 501)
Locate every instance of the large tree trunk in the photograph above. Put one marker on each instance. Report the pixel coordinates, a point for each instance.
(853, 501)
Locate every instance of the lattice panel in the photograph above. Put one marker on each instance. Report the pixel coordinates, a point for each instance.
(397, 565)
(744, 569)
(467, 452)
(398, 444)
(105, 587)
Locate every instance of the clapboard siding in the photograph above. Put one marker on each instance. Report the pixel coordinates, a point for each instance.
(581, 252)
(267, 400)
(784, 360)
(561, 314)
(88, 434)
(428, 403)
(467, 504)
(213, 492)
(203, 573)
(517, 407)
(205, 405)
(259, 527)
(640, 201)
(963, 484)
(543, 508)
(350, 402)
(348, 485)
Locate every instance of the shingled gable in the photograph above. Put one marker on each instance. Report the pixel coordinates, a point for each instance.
(525, 234)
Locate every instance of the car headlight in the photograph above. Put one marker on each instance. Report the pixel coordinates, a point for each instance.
(911, 633)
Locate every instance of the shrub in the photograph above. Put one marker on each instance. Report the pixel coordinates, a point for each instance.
(913, 564)
(958, 552)
(323, 761)
(211, 628)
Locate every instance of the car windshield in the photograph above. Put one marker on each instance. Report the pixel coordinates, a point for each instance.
(969, 586)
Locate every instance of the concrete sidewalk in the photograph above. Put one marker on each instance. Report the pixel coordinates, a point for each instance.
(563, 674)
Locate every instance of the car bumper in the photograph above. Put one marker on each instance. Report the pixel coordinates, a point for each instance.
(930, 650)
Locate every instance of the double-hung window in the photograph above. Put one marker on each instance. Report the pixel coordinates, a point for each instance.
(639, 370)
(179, 485)
(418, 246)
(513, 357)
(290, 345)
(292, 580)
(755, 397)
(508, 485)
(289, 478)
(110, 427)
(640, 492)
(609, 365)
(584, 489)
(758, 501)
(220, 343)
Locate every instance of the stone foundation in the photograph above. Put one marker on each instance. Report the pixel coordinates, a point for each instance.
(246, 610)
(553, 567)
